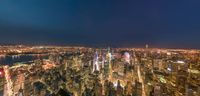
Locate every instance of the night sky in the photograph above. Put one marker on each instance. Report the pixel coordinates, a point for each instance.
(118, 23)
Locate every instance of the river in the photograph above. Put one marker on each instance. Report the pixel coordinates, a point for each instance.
(12, 59)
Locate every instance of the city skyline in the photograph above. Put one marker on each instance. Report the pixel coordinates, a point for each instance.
(170, 24)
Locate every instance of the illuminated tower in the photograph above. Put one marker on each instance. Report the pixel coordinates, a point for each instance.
(146, 50)
(127, 57)
(126, 62)
(96, 62)
(108, 59)
(147, 46)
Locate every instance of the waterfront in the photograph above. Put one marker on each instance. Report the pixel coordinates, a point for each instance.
(12, 59)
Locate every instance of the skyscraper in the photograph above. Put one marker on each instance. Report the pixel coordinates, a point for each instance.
(96, 62)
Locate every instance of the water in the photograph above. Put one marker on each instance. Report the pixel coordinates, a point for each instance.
(12, 59)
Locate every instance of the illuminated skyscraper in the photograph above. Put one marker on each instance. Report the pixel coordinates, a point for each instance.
(108, 55)
(96, 62)
(108, 59)
(146, 50)
(127, 57)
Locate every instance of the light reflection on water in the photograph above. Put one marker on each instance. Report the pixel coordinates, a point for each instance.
(11, 59)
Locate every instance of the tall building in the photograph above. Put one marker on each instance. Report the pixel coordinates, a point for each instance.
(127, 57)
(96, 62)
(109, 63)
(147, 46)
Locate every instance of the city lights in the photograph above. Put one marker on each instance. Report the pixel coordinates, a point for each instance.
(84, 72)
